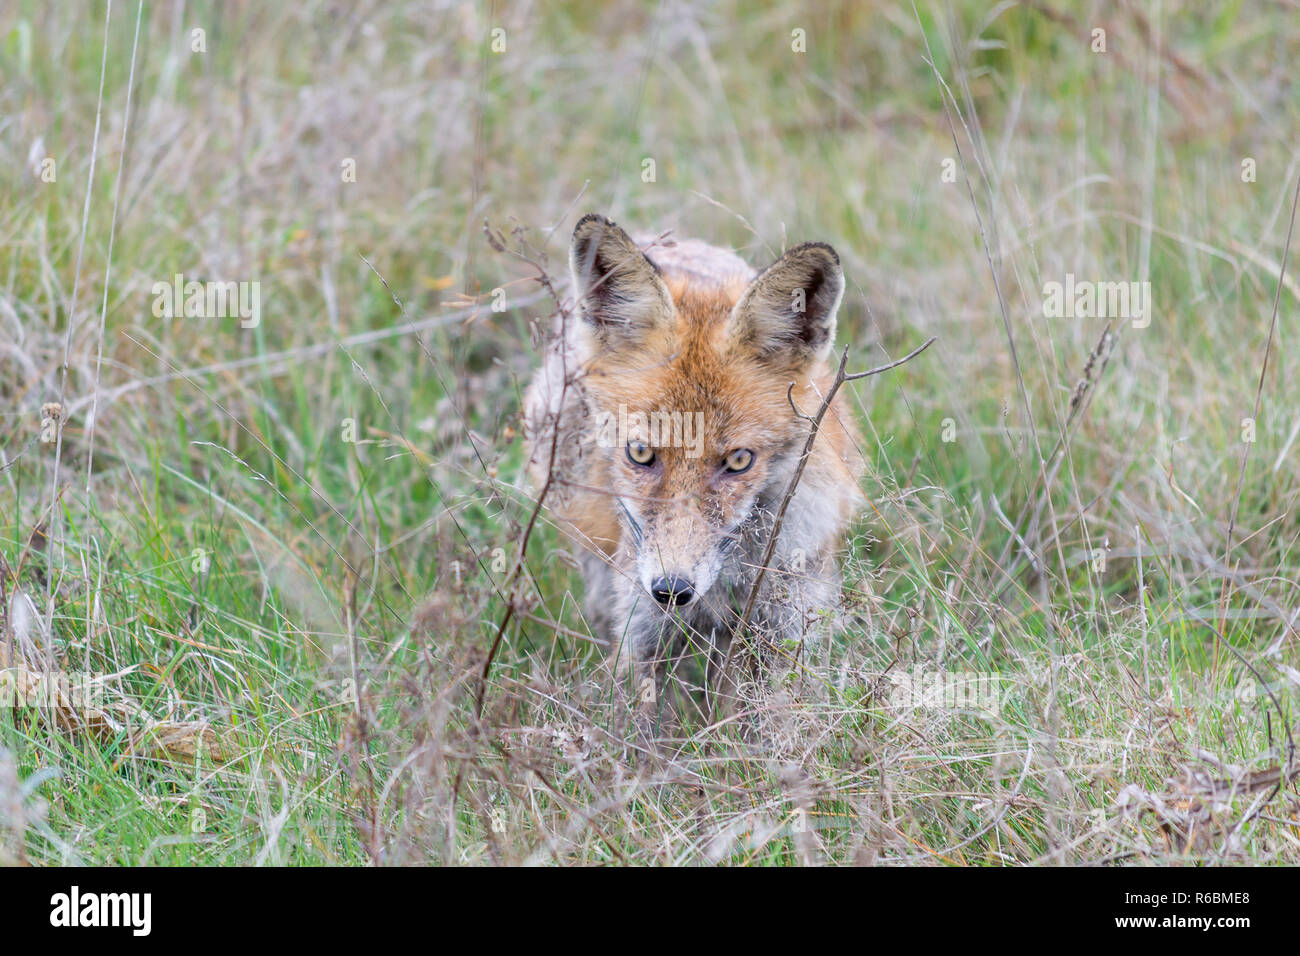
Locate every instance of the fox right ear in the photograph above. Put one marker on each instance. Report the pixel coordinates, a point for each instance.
(620, 294)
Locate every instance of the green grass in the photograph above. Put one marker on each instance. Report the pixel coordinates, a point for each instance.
(232, 561)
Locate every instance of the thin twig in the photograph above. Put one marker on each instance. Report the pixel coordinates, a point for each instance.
(840, 378)
(544, 279)
(507, 588)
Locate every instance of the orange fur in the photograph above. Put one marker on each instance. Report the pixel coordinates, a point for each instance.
(690, 330)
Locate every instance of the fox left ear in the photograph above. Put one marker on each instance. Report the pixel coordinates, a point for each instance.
(788, 311)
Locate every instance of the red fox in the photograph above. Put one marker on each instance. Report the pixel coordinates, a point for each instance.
(662, 426)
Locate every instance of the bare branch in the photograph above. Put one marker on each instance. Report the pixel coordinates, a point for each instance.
(841, 376)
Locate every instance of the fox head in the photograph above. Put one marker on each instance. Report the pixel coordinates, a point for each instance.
(690, 384)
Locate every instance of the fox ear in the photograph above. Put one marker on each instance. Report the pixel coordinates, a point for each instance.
(787, 315)
(620, 293)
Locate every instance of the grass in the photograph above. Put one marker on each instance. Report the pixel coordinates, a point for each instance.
(324, 606)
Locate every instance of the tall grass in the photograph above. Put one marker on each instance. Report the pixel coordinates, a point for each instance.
(1049, 498)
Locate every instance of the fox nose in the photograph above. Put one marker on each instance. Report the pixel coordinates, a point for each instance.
(672, 591)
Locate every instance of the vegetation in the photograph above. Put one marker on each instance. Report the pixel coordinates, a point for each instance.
(284, 542)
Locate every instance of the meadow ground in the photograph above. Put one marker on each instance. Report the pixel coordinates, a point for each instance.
(284, 541)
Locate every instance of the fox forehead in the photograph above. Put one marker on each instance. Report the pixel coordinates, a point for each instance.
(691, 370)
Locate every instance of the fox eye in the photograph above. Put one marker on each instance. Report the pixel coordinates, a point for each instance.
(738, 460)
(639, 453)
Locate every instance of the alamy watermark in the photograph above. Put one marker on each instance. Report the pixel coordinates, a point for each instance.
(981, 691)
(79, 691)
(1085, 299)
(208, 300)
(658, 429)
(75, 908)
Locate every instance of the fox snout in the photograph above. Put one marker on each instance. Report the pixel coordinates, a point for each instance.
(680, 556)
(676, 589)
(673, 590)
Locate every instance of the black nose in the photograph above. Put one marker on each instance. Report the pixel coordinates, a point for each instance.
(671, 590)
